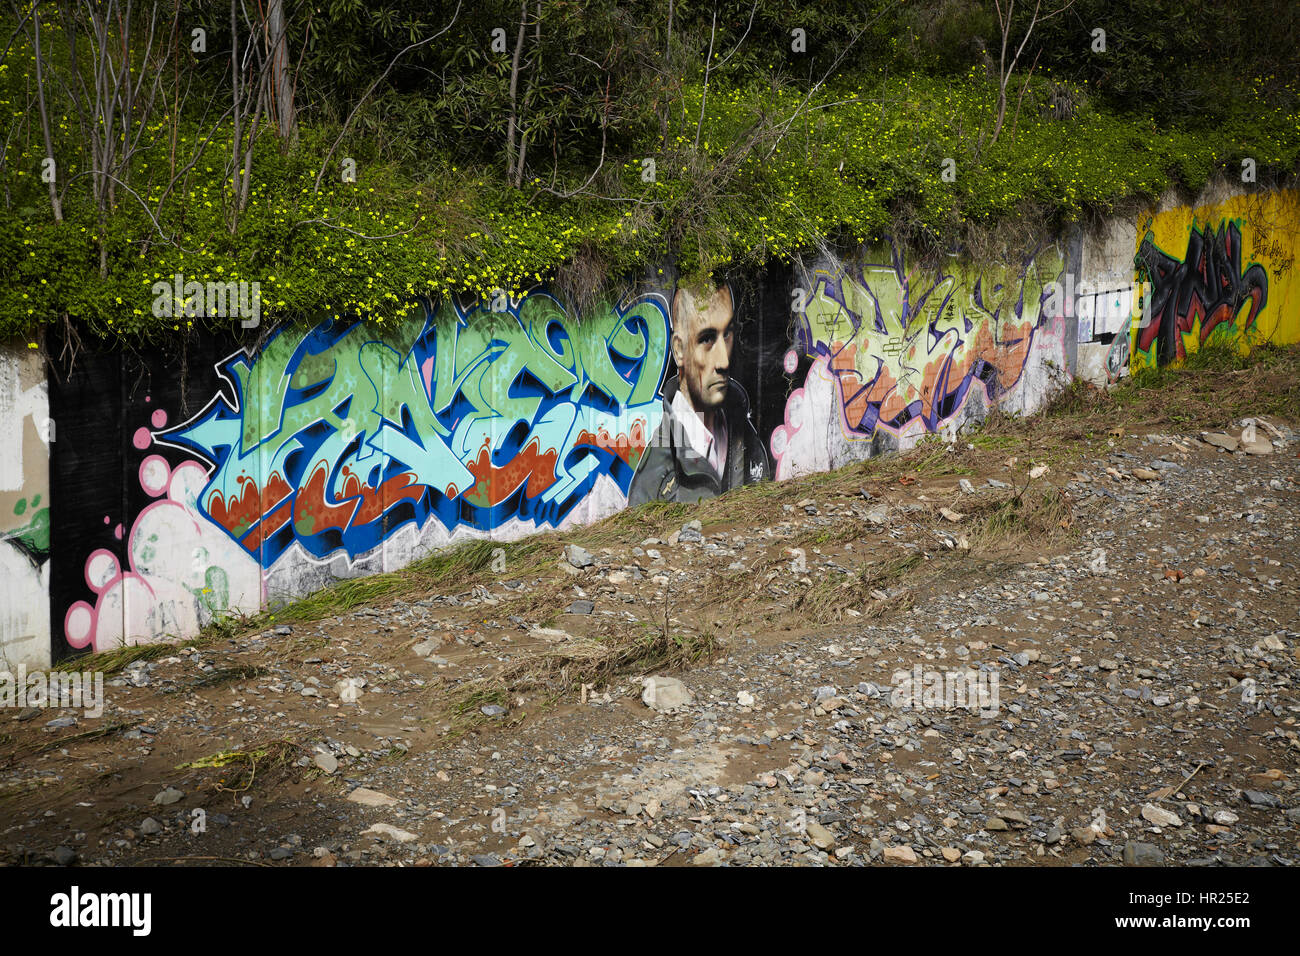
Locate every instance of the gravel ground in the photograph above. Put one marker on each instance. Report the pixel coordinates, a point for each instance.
(1138, 662)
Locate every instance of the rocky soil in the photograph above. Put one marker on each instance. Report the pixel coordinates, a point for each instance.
(1130, 614)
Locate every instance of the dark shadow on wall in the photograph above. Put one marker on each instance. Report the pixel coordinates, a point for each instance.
(767, 339)
(100, 404)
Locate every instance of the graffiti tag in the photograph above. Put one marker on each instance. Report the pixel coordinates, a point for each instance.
(337, 436)
(1208, 286)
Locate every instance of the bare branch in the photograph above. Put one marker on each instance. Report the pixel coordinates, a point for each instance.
(55, 205)
(361, 235)
(708, 65)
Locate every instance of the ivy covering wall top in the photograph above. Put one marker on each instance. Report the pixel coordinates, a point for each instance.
(348, 157)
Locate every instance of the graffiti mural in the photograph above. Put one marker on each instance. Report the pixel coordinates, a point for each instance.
(180, 572)
(231, 478)
(1117, 358)
(1206, 288)
(1224, 271)
(898, 352)
(329, 442)
(336, 437)
(706, 443)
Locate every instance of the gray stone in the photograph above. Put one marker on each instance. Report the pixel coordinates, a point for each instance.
(1143, 854)
(1160, 816)
(370, 798)
(821, 837)
(578, 557)
(1257, 798)
(1220, 440)
(389, 832)
(325, 761)
(665, 693)
(64, 856)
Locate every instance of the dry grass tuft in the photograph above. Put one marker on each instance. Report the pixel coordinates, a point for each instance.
(274, 759)
(562, 671)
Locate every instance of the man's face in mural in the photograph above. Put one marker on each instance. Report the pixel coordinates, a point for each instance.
(703, 342)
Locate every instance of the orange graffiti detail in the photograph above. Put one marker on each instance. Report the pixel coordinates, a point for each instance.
(493, 485)
(1008, 353)
(361, 504)
(241, 513)
(628, 447)
(952, 362)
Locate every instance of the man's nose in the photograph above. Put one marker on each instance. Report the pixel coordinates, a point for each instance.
(721, 355)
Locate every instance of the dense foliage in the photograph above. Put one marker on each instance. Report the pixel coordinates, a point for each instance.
(486, 160)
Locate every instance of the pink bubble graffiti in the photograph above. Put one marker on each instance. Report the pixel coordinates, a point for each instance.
(155, 474)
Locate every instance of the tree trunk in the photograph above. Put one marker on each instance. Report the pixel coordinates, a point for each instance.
(281, 78)
(45, 122)
(514, 90)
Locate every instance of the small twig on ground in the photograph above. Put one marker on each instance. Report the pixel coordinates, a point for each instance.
(1179, 788)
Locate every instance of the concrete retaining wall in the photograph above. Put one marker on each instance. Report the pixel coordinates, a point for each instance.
(141, 497)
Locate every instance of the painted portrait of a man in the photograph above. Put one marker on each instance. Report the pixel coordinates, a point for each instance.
(706, 442)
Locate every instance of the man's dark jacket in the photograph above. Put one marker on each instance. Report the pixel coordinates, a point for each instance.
(673, 471)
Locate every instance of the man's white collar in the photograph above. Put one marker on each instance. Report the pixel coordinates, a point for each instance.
(711, 446)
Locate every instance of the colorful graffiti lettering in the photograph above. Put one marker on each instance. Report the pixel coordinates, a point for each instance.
(906, 348)
(1204, 290)
(182, 570)
(25, 434)
(33, 536)
(338, 436)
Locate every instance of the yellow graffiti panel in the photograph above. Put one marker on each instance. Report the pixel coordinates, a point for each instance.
(1221, 272)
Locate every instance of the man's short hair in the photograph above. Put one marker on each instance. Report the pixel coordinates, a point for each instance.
(679, 288)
